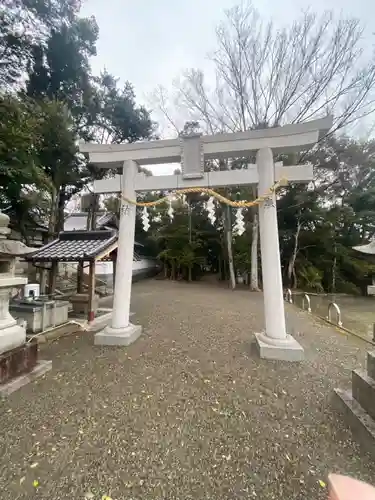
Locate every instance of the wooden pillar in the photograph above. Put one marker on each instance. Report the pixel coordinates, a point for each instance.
(91, 312)
(52, 277)
(80, 277)
(43, 281)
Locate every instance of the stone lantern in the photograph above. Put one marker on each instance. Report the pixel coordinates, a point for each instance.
(12, 335)
(18, 358)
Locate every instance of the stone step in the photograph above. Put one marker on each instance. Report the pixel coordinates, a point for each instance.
(363, 390)
(371, 364)
(360, 422)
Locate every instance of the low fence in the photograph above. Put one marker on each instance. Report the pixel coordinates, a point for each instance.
(334, 314)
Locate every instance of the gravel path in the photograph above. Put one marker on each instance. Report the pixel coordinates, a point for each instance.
(187, 412)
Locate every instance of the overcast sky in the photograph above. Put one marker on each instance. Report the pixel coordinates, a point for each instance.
(150, 42)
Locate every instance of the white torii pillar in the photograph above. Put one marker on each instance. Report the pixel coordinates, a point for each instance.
(274, 342)
(121, 331)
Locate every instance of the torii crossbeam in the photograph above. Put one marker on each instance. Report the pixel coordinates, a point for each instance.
(191, 151)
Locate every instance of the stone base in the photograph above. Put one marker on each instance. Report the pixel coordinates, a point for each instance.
(118, 336)
(283, 350)
(18, 361)
(363, 390)
(40, 369)
(358, 405)
(359, 421)
(371, 364)
(80, 303)
(11, 337)
(100, 322)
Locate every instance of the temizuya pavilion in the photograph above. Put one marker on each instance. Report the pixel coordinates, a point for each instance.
(191, 151)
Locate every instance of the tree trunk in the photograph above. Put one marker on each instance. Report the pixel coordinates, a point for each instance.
(60, 215)
(292, 281)
(334, 264)
(228, 232)
(52, 217)
(24, 234)
(224, 254)
(190, 275)
(254, 280)
(294, 278)
(223, 165)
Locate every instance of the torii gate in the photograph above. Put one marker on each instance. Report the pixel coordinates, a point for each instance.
(191, 151)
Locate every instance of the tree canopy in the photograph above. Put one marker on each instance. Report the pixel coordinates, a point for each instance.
(49, 100)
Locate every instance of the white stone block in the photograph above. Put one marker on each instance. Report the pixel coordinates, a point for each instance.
(118, 336)
(283, 350)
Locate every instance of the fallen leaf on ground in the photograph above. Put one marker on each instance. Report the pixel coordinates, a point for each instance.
(322, 483)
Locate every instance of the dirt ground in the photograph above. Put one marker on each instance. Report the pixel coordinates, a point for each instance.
(187, 412)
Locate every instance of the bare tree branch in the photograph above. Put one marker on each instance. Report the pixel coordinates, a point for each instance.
(159, 98)
(267, 77)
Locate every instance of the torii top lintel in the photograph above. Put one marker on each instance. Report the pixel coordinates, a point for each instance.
(285, 139)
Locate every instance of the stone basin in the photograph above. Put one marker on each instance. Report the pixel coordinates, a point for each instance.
(39, 314)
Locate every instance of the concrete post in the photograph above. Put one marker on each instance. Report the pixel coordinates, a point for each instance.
(121, 332)
(270, 251)
(114, 262)
(274, 343)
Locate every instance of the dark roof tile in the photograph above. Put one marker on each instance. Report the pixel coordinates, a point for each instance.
(73, 246)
